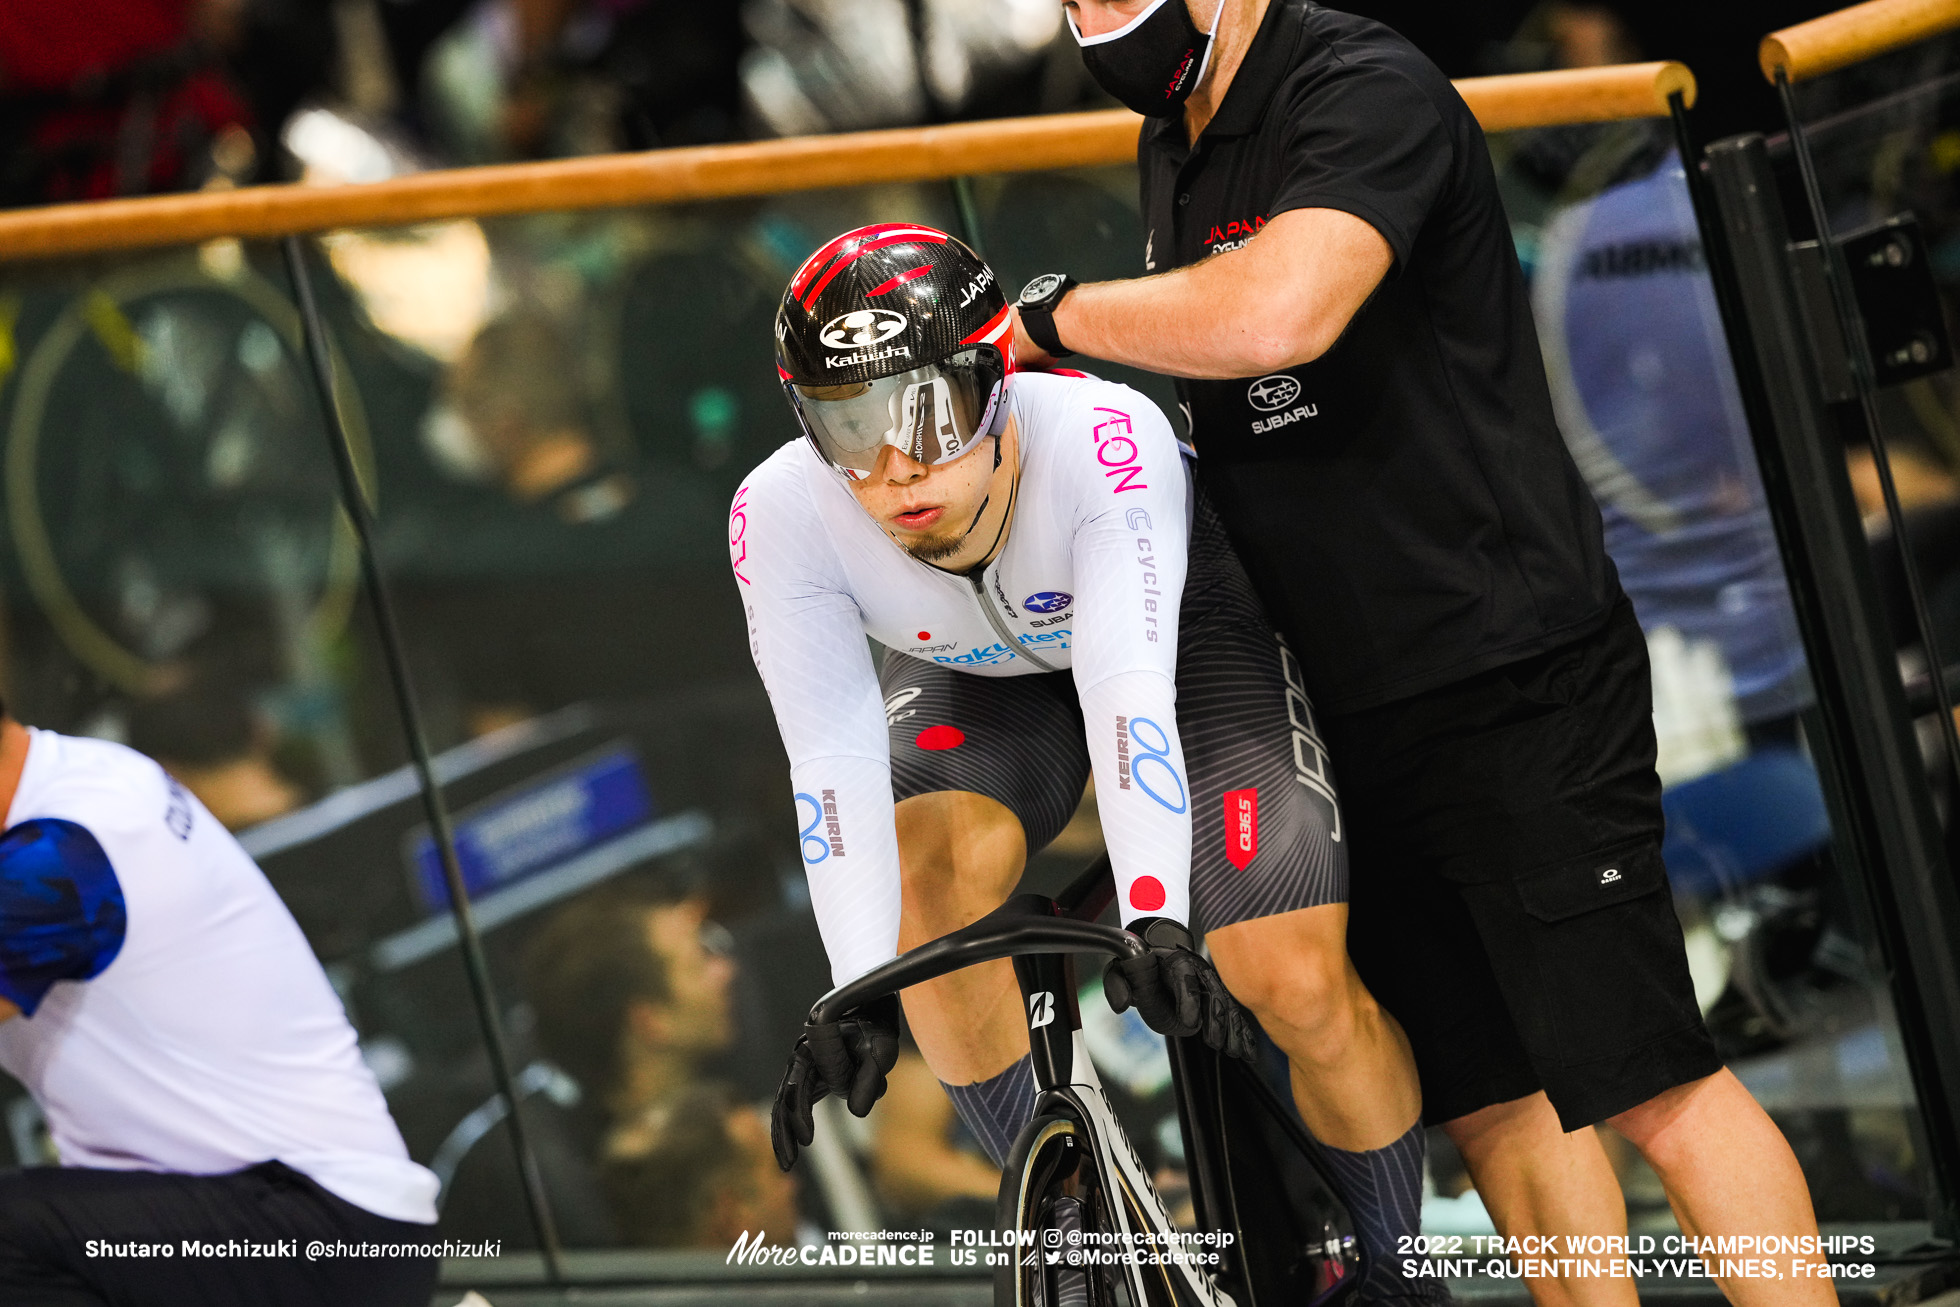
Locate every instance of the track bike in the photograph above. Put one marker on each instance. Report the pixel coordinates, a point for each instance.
(1080, 1220)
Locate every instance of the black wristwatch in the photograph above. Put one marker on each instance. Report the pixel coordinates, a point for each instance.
(1037, 304)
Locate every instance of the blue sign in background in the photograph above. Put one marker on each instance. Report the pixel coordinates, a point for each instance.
(513, 835)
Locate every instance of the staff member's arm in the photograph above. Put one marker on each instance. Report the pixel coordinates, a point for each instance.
(1281, 300)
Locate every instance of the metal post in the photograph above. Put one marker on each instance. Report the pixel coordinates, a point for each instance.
(969, 214)
(362, 517)
(1882, 809)
(1838, 276)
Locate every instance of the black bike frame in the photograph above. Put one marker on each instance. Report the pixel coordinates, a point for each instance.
(1040, 934)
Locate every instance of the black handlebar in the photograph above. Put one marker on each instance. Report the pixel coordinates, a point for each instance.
(1024, 924)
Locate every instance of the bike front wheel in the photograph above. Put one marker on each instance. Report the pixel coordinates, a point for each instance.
(1049, 1197)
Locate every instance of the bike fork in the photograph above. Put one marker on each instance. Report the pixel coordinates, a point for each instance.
(1048, 998)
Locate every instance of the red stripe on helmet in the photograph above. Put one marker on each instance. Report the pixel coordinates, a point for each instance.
(877, 239)
(991, 333)
(816, 262)
(901, 279)
(783, 373)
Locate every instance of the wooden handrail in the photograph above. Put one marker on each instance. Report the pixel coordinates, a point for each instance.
(1576, 95)
(723, 171)
(1852, 35)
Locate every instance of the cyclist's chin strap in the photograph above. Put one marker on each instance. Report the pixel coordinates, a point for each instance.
(1006, 517)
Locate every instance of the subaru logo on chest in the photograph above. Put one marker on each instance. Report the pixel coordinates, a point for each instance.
(1047, 601)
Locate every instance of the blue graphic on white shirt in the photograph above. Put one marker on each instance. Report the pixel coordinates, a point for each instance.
(1048, 601)
(61, 909)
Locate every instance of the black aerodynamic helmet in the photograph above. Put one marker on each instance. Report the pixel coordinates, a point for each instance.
(894, 334)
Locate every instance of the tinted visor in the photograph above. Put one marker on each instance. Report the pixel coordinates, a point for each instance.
(931, 414)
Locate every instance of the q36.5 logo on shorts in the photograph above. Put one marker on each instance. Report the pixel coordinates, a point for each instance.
(862, 328)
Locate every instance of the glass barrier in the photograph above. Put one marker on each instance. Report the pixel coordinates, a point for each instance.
(552, 414)
(1786, 965)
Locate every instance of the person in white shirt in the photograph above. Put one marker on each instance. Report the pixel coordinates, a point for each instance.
(199, 1077)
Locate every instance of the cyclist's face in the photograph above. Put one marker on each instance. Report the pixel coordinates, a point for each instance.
(927, 510)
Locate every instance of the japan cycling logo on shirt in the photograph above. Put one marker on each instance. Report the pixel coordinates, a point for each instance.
(1270, 394)
(862, 328)
(1047, 601)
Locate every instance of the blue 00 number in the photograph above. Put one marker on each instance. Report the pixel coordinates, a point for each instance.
(1159, 753)
(808, 835)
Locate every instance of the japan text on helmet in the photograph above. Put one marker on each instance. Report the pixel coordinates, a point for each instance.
(895, 334)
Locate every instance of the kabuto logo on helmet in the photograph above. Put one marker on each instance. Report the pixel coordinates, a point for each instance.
(862, 328)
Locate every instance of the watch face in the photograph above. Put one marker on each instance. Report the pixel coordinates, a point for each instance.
(1042, 287)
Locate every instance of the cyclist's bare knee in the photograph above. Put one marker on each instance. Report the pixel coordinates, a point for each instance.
(960, 855)
(1292, 970)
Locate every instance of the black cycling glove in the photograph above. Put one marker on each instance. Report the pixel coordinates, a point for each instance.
(848, 1056)
(1176, 991)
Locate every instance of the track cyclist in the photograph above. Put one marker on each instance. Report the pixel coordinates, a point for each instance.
(1054, 601)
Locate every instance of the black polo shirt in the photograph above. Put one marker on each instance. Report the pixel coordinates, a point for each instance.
(1404, 504)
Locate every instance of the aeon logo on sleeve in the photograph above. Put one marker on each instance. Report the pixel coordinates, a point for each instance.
(738, 534)
(1047, 601)
(1270, 394)
(862, 328)
(1116, 451)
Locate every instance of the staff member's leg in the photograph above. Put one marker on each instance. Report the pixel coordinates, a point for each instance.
(1520, 810)
(1269, 879)
(76, 1237)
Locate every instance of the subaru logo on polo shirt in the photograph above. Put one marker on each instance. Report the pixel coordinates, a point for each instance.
(862, 328)
(1047, 601)
(1275, 392)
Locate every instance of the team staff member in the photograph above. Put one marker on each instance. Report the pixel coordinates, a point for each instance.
(1338, 291)
(196, 1070)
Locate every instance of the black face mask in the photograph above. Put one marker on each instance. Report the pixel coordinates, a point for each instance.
(1152, 64)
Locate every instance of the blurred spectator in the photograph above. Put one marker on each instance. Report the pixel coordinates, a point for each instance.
(916, 1163)
(1648, 402)
(211, 738)
(521, 78)
(847, 65)
(515, 413)
(696, 1172)
(1918, 475)
(118, 97)
(630, 1000)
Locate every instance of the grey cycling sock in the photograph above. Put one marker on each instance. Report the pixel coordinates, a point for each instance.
(995, 1109)
(1383, 1188)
